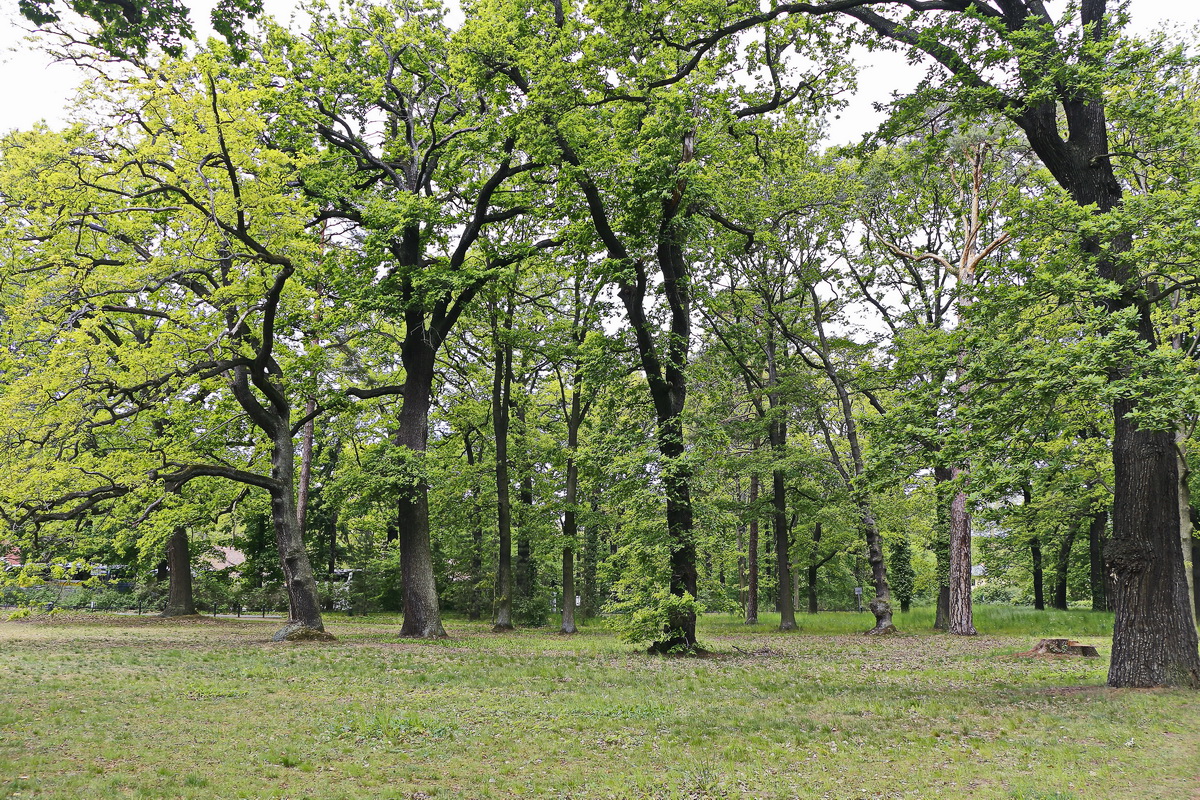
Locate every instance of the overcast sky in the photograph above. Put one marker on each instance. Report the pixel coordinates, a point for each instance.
(32, 88)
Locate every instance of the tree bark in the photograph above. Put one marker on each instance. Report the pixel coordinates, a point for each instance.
(752, 556)
(591, 558)
(501, 392)
(1099, 578)
(474, 596)
(422, 617)
(571, 499)
(1039, 597)
(1185, 514)
(304, 605)
(880, 605)
(525, 573)
(813, 566)
(961, 622)
(941, 547)
(1063, 565)
(180, 602)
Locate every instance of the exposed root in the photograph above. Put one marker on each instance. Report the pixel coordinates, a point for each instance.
(299, 632)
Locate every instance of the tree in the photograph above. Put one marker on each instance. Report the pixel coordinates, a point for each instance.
(415, 207)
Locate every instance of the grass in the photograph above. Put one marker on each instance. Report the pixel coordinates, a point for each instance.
(129, 707)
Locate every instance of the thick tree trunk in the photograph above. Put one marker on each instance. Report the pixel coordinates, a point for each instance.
(422, 618)
(1039, 596)
(752, 557)
(961, 621)
(501, 391)
(1154, 637)
(180, 602)
(304, 617)
(1063, 565)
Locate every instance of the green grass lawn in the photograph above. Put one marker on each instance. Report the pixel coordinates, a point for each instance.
(114, 707)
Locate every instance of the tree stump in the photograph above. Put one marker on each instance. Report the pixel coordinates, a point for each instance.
(1062, 647)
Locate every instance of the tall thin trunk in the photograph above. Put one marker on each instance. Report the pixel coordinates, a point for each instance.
(501, 392)
(1035, 546)
(787, 612)
(306, 457)
(741, 550)
(777, 431)
(752, 557)
(571, 498)
(525, 569)
(813, 566)
(591, 559)
(1063, 565)
(474, 595)
(1099, 577)
(1035, 552)
(941, 547)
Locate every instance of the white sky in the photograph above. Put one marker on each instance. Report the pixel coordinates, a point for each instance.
(32, 88)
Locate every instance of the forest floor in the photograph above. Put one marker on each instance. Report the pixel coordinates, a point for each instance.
(105, 706)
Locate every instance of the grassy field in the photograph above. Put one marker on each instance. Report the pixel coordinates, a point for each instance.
(115, 707)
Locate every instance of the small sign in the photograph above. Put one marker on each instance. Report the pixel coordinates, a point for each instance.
(858, 591)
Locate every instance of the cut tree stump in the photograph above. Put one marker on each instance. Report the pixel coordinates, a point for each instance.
(1062, 647)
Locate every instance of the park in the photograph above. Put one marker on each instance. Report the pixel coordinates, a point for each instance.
(128, 706)
(611, 398)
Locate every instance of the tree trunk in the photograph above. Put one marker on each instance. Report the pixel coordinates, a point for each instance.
(1154, 636)
(525, 572)
(571, 499)
(501, 392)
(881, 604)
(813, 567)
(307, 434)
(752, 557)
(1039, 596)
(1098, 575)
(422, 618)
(591, 559)
(568, 585)
(787, 612)
(1063, 565)
(304, 617)
(474, 595)
(961, 622)
(180, 602)
(1185, 513)
(941, 547)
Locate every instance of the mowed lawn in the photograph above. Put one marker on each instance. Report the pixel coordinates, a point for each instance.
(118, 706)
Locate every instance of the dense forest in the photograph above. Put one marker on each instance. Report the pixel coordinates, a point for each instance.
(547, 310)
